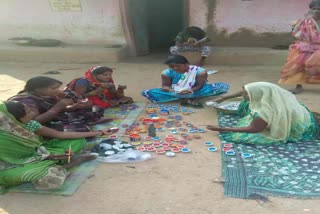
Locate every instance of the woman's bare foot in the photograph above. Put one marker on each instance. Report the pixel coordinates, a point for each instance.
(297, 90)
(79, 159)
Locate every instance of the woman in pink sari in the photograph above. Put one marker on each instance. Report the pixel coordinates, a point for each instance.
(303, 62)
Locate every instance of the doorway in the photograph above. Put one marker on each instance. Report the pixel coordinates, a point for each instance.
(154, 24)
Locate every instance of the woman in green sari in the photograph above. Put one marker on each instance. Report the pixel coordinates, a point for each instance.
(270, 114)
(25, 157)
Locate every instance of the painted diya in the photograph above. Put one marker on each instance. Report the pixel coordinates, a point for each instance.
(180, 146)
(148, 138)
(212, 149)
(136, 143)
(185, 150)
(143, 131)
(134, 137)
(170, 154)
(147, 142)
(226, 149)
(166, 148)
(160, 129)
(165, 144)
(141, 149)
(160, 151)
(183, 142)
(156, 145)
(175, 150)
(151, 149)
(246, 155)
(164, 112)
(174, 145)
(208, 143)
(201, 130)
(231, 153)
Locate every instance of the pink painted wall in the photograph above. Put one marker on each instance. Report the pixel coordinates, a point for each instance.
(99, 22)
(258, 15)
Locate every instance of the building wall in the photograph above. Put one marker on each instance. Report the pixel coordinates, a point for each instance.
(247, 22)
(99, 22)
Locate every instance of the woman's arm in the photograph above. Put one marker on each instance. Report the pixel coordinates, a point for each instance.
(166, 83)
(256, 126)
(56, 109)
(200, 81)
(221, 99)
(51, 133)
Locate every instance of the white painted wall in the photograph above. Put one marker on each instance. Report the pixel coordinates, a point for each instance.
(257, 15)
(98, 23)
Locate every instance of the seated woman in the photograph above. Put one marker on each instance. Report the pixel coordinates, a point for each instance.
(192, 39)
(42, 94)
(98, 86)
(303, 62)
(271, 115)
(185, 82)
(25, 157)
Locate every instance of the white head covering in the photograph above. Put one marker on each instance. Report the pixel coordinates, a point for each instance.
(277, 107)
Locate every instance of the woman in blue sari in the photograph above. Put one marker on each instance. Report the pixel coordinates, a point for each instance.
(184, 82)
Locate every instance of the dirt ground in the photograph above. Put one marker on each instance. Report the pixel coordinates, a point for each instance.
(184, 184)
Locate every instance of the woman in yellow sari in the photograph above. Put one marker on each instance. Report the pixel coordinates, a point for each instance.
(272, 115)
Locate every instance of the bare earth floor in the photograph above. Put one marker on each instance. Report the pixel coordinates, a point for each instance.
(182, 185)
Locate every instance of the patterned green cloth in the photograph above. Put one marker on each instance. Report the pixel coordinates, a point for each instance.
(286, 169)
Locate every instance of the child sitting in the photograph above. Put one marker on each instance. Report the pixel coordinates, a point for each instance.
(191, 39)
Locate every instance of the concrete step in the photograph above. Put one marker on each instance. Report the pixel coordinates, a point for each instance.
(63, 54)
(229, 56)
(241, 56)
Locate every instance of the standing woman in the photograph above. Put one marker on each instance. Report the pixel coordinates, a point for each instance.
(303, 62)
(184, 82)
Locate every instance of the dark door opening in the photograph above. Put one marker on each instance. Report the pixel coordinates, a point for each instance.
(165, 20)
(155, 23)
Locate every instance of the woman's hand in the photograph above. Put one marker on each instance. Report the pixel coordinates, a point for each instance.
(82, 104)
(113, 102)
(62, 105)
(214, 128)
(185, 92)
(60, 157)
(106, 132)
(95, 92)
(108, 85)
